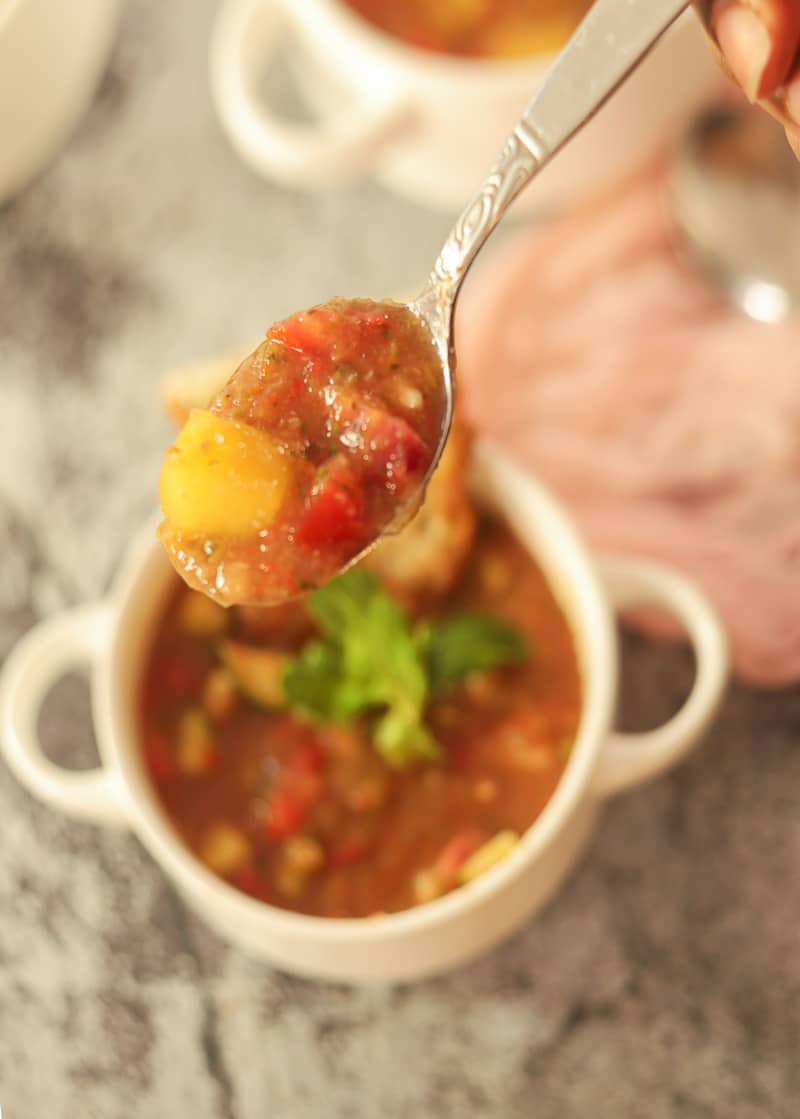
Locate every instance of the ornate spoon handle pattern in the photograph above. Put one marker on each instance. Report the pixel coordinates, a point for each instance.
(609, 44)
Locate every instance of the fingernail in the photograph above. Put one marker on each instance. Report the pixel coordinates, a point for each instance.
(746, 43)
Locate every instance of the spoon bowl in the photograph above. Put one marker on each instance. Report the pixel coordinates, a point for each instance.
(735, 195)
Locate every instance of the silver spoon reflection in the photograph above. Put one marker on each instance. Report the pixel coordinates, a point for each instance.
(735, 194)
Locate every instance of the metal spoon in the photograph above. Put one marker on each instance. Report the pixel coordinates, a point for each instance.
(735, 193)
(613, 39)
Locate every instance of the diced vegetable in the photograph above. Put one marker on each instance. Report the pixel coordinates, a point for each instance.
(349, 853)
(456, 647)
(222, 477)
(487, 856)
(368, 794)
(486, 790)
(225, 849)
(195, 742)
(220, 694)
(433, 881)
(201, 616)
(427, 886)
(301, 857)
(534, 757)
(334, 508)
(456, 852)
(286, 814)
(258, 672)
(303, 853)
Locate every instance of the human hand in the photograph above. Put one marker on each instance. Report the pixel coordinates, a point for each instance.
(759, 44)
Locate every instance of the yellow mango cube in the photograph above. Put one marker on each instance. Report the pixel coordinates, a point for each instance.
(222, 477)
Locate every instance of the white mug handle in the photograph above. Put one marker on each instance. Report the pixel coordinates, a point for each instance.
(630, 759)
(245, 34)
(50, 650)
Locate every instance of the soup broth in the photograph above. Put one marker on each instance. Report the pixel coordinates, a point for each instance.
(308, 815)
(478, 28)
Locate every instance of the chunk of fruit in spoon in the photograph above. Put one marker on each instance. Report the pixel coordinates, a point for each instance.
(321, 442)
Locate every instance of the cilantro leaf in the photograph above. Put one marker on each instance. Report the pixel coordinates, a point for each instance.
(337, 606)
(370, 662)
(401, 737)
(453, 648)
(312, 682)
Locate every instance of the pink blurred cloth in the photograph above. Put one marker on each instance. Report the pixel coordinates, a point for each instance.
(668, 423)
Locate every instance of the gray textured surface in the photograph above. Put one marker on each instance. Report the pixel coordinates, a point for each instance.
(664, 981)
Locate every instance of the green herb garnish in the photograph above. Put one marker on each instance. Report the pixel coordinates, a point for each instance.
(371, 660)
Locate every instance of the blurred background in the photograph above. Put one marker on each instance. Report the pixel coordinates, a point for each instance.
(664, 981)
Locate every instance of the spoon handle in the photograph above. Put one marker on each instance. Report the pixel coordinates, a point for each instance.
(609, 44)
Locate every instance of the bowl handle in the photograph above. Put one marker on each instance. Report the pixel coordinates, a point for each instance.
(50, 650)
(245, 35)
(630, 759)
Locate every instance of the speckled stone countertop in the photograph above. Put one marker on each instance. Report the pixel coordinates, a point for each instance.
(664, 981)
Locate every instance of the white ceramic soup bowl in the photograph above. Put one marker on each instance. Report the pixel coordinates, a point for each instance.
(51, 60)
(429, 125)
(113, 637)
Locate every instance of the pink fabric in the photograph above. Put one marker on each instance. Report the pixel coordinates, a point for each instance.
(668, 423)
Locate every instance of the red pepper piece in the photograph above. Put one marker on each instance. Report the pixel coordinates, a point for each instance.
(456, 852)
(333, 510)
(311, 335)
(349, 853)
(308, 757)
(397, 454)
(286, 814)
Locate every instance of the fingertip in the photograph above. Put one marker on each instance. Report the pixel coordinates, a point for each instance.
(746, 44)
(760, 40)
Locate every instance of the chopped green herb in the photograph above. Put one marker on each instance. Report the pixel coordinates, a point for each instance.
(370, 661)
(456, 647)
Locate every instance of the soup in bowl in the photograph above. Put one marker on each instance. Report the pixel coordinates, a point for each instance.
(346, 755)
(311, 849)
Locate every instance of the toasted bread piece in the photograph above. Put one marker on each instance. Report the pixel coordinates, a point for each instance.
(192, 386)
(422, 562)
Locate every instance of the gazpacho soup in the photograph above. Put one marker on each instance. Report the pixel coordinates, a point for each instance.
(319, 443)
(368, 748)
(478, 28)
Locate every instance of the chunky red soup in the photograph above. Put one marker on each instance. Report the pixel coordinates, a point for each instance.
(320, 442)
(478, 28)
(355, 816)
